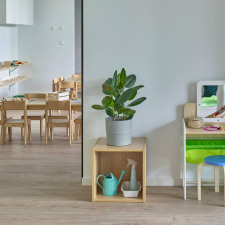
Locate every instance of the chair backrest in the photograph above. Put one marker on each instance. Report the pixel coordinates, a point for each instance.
(35, 95)
(76, 76)
(55, 83)
(58, 105)
(65, 85)
(14, 105)
(62, 78)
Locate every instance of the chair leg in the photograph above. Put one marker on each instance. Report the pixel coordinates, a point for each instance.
(5, 134)
(224, 183)
(10, 133)
(46, 134)
(51, 131)
(2, 134)
(216, 178)
(41, 127)
(199, 179)
(29, 131)
(76, 131)
(70, 133)
(25, 135)
(67, 132)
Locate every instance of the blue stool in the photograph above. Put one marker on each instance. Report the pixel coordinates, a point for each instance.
(216, 161)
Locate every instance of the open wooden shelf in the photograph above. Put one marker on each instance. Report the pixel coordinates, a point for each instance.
(11, 81)
(117, 198)
(113, 159)
(13, 67)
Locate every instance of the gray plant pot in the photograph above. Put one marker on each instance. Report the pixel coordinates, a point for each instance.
(118, 132)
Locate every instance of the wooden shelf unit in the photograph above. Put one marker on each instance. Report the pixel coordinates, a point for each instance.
(113, 159)
(13, 67)
(18, 79)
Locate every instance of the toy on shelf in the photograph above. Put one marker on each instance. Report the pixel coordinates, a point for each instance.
(131, 188)
(110, 183)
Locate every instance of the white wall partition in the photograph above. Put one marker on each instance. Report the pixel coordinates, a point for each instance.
(170, 46)
(49, 44)
(8, 52)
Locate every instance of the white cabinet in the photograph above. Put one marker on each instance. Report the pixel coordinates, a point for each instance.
(16, 12)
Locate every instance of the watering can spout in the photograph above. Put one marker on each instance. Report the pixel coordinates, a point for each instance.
(122, 173)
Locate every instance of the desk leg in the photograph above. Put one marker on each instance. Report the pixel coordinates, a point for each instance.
(184, 160)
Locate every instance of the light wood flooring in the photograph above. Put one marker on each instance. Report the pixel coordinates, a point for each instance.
(42, 185)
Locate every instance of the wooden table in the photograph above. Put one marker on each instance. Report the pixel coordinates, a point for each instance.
(40, 104)
(72, 80)
(113, 159)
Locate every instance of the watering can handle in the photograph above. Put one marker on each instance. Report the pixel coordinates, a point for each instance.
(98, 178)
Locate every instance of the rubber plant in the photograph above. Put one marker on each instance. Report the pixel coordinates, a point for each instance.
(120, 96)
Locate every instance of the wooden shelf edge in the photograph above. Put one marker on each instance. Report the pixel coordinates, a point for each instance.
(14, 67)
(117, 198)
(11, 83)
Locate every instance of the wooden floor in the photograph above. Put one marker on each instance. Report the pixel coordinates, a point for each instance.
(42, 185)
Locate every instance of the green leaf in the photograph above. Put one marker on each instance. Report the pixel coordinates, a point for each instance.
(137, 87)
(97, 107)
(109, 112)
(115, 93)
(133, 95)
(120, 86)
(107, 102)
(129, 117)
(137, 102)
(107, 89)
(124, 97)
(109, 81)
(114, 80)
(118, 79)
(131, 79)
(123, 77)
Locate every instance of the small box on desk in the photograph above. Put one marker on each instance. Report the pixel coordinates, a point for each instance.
(58, 96)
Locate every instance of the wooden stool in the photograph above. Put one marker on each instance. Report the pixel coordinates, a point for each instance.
(216, 161)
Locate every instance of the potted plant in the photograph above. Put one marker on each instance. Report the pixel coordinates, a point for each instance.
(118, 104)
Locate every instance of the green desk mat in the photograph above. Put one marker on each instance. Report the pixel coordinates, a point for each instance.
(197, 150)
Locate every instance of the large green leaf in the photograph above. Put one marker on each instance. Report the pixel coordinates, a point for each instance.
(136, 88)
(107, 102)
(129, 117)
(131, 79)
(123, 77)
(133, 95)
(124, 97)
(98, 107)
(114, 80)
(109, 112)
(107, 89)
(109, 81)
(137, 102)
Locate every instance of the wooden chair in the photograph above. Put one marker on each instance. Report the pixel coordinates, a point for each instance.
(50, 123)
(25, 123)
(55, 84)
(78, 88)
(77, 77)
(68, 85)
(62, 78)
(78, 127)
(35, 117)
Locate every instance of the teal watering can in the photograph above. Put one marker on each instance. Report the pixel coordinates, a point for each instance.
(110, 183)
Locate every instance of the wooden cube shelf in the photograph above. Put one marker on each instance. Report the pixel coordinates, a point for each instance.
(113, 159)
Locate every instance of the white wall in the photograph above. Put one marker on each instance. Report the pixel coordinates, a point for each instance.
(78, 35)
(170, 46)
(8, 52)
(40, 46)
